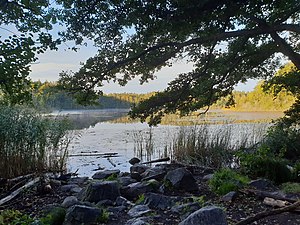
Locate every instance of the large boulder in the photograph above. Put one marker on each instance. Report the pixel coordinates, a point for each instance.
(133, 191)
(158, 201)
(139, 168)
(210, 215)
(80, 214)
(182, 179)
(102, 190)
(105, 174)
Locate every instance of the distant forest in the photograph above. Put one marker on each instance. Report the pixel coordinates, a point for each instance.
(48, 97)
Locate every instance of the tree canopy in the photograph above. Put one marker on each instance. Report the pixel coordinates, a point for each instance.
(227, 41)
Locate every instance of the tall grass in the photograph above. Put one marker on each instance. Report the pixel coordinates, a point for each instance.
(143, 144)
(213, 145)
(30, 143)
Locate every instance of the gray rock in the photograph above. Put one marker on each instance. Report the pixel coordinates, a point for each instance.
(136, 176)
(68, 187)
(208, 177)
(182, 179)
(105, 203)
(76, 190)
(139, 168)
(210, 215)
(132, 191)
(154, 173)
(186, 208)
(138, 221)
(78, 180)
(121, 201)
(55, 183)
(157, 201)
(139, 210)
(124, 181)
(105, 174)
(229, 197)
(101, 190)
(134, 160)
(79, 214)
(263, 185)
(70, 201)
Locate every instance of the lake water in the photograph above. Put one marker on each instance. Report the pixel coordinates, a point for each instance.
(103, 142)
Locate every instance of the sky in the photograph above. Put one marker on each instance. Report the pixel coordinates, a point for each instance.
(51, 63)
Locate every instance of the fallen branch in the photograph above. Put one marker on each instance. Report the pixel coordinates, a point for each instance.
(157, 160)
(19, 190)
(277, 203)
(94, 154)
(264, 194)
(262, 215)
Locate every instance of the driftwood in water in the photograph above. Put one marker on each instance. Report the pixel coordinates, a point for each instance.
(262, 215)
(111, 162)
(18, 191)
(157, 160)
(104, 155)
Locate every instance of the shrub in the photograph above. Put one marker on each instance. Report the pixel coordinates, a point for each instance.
(55, 217)
(14, 217)
(226, 180)
(262, 163)
(30, 142)
(291, 187)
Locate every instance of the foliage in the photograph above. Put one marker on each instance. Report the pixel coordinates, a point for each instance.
(55, 217)
(228, 42)
(14, 217)
(226, 180)
(263, 163)
(291, 187)
(27, 26)
(104, 217)
(140, 199)
(30, 142)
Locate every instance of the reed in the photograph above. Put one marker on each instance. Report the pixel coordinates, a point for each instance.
(31, 143)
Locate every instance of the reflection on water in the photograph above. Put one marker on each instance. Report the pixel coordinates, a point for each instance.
(102, 131)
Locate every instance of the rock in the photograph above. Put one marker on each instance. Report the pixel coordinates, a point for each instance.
(208, 177)
(154, 173)
(229, 197)
(133, 191)
(70, 201)
(78, 180)
(186, 209)
(182, 179)
(134, 160)
(105, 174)
(136, 176)
(139, 210)
(138, 168)
(210, 215)
(121, 201)
(101, 190)
(105, 203)
(263, 185)
(55, 183)
(79, 214)
(138, 221)
(124, 181)
(157, 201)
(68, 187)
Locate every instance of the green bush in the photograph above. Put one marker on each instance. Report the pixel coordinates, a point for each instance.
(55, 217)
(262, 163)
(30, 142)
(226, 180)
(290, 187)
(14, 217)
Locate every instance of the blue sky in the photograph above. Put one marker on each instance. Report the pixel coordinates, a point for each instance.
(51, 63)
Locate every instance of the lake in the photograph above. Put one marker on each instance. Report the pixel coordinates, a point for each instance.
(105, 139)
